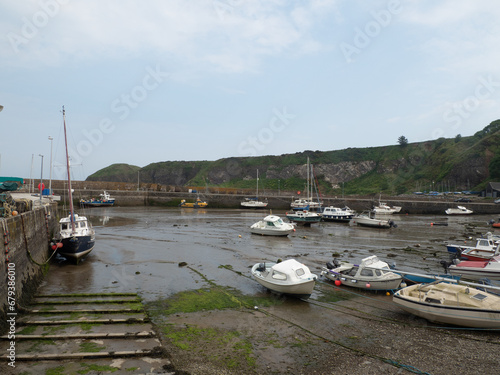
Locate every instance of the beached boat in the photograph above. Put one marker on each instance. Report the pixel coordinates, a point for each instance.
(449, 303)
(372, 274)
(254, 202)
(459, 210)
(385, 209)
(307, 203)
(368, 219)
(272, 225)
(488, 242)
(494, 224)
(303, 217)
(198, 203)
(288, 277)
(337, 214)
(477, 270)
(103, 200)
(479, 254)
(76, 234)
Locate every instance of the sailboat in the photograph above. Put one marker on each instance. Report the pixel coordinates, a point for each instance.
(306, 203)
(76, 234)
(301, 214)
(254, 202)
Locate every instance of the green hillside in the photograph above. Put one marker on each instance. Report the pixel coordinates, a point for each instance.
(460, 163)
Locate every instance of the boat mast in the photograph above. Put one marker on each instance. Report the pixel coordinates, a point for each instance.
(71, 209)
(257, 194)
(308, 192)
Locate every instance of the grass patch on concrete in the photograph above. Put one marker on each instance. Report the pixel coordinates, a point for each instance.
(207, 299)
(95, 369)
(226, 347)
(90, 347)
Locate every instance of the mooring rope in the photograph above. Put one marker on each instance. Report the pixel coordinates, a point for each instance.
(358, 351)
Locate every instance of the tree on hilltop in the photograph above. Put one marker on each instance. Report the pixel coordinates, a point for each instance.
(403, 141)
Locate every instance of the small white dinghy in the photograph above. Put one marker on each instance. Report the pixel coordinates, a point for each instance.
(272, 225)
(455, 304)
(372, 274)
(288, 277)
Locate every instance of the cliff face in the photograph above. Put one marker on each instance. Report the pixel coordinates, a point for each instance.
(460, 163)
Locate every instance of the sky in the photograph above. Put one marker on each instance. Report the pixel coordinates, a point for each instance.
(149, 81)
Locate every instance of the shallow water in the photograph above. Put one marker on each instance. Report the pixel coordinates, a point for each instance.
(139, 249)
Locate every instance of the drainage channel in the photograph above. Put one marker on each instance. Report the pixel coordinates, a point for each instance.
(84, 333)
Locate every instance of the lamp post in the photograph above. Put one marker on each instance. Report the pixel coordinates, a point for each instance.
(1, 107)
(50, 173)
(41, 180)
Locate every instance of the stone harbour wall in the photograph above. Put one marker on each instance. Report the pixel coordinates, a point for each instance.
(24, 252)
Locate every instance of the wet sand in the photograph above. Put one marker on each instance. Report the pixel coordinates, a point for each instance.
(139, 250)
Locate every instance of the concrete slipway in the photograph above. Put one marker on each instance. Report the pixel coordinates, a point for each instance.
(85, 334)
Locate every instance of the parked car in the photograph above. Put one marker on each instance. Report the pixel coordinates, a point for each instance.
(465, 200)
(497, 200)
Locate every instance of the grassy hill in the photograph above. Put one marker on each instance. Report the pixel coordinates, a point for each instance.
(460, 163)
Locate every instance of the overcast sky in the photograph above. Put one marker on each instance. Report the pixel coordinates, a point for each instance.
(149, 81)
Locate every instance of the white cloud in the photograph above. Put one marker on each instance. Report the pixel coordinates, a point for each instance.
(226, 34)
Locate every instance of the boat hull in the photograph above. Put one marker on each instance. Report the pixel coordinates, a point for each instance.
(253, 204)
(303, 290)
(98, 204)
(76, 247)
(437, 310)
(372, 223)
(270, 232)
(358, 282)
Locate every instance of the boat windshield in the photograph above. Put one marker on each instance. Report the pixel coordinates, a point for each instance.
(300, 272)
(279, 275)
(366, 272)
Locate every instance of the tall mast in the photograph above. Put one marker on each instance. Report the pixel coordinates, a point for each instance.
(308, 187)
(257, 194)
(71, 209)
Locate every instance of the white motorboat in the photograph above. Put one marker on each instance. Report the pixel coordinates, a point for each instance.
(477, 270)
(288, 277)
(254, 202)
(337, 214)
(449, 303)
(384, 209)
(368, 219)
(304, 217)
(272, 225)
(460, 210)
(372, 273)
(487, 243)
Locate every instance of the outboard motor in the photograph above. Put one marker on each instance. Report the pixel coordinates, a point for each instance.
(261, 267)
(393, 224)
(330, 265)
(445, 265)
(333, 264)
